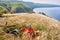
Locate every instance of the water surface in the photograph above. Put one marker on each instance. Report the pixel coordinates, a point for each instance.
(53, 12)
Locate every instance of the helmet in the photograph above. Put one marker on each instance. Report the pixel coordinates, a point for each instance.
(28, 25)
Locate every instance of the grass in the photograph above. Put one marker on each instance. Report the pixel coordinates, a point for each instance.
(48, 28)
(1, 38)
(50, 33)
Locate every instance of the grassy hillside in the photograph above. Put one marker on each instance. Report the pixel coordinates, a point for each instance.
(15, 7)
(49, 29)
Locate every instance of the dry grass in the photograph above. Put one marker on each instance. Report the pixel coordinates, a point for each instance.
(48, 28)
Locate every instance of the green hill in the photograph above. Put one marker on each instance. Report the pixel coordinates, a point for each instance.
(15, 7)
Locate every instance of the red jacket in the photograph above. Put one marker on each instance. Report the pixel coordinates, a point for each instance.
(23, 29)
(31, 31)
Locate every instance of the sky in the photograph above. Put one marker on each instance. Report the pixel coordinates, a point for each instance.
(40, 1)
(45, 1)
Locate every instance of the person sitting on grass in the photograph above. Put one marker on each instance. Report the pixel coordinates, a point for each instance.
(31, 31)
(28, 29)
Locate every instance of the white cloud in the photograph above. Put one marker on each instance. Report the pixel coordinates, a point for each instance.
(45, 1)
